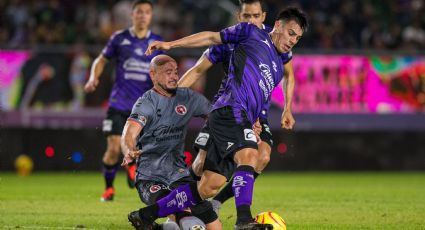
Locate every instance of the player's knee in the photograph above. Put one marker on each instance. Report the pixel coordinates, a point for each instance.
(247, 157)
(264, 159)
(208, 191)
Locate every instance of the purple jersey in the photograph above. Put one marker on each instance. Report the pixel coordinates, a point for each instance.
(221, 53)
(132, 70)
(254, 71)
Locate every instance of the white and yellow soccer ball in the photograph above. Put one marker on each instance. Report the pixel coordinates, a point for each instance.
(271, 218)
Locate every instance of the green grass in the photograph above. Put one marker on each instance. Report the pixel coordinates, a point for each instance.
(304, 200)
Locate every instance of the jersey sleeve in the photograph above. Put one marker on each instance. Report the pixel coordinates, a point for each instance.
(142, 111)
(215, 54)
(236, 33)
(201, 104)
(110, 49)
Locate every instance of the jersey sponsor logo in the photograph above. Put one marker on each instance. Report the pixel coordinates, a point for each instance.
(154, 188)
(133, 64)
(107, 125)
(135, 76)
(125, 42)
(266, 42)
(229, 144)
(268, 84)
(249, 135)
(202, 139)
(180, 109)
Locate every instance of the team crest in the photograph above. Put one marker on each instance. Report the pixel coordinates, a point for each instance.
(139, 52)
(181, 109)
(154, 188)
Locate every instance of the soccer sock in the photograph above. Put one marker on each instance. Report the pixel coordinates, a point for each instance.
(227, 192)
(180, 198)
(243, 187)
(109, 172)
(193, 175)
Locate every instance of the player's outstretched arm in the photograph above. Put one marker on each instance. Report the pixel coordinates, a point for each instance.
(206, 38)
(95, 72)
(130, 133)
(288, 121)
(193, 74)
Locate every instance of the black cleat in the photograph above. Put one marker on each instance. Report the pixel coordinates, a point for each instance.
(139, 223)
(253, 226)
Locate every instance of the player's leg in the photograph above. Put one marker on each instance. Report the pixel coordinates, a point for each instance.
(264, 150)
(184, 196)
(110, 166)
(202, 142)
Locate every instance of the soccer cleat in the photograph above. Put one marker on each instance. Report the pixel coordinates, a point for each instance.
(253, 226)
(131, 175)
(139, 223)
(216, 206)
(108, 195)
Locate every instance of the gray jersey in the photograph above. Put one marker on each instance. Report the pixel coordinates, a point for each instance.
(165, 120)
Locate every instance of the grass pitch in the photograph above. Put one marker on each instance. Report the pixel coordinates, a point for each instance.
(305, 200)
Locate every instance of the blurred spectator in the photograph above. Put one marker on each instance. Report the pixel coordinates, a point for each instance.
(335, 24)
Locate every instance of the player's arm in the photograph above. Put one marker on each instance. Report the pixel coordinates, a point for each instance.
(95, 72)
(288, 121)
(194, 73)
(131, 131)
(206, 38)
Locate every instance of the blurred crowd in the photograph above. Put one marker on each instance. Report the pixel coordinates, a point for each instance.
(335, 24)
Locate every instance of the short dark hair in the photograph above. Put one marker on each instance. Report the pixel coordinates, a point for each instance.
(138, 2)
(262, 3)
(293, 13)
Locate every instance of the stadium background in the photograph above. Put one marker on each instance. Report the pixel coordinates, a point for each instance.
(359, 100)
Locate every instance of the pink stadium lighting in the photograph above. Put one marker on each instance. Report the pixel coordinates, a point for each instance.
(49, 151)
(282, 148)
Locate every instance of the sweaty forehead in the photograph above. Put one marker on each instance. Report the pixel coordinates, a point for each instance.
(169, 65)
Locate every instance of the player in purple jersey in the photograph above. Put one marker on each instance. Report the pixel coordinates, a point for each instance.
(132, 80)
(254, 71)
(251, 11)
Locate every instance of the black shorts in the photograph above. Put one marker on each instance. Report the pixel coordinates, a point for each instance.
(115, 121)
(227, 137)
(203, 141)
(152, 191)
(266, 134)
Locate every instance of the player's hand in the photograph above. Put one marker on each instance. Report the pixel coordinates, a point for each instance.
(287, 121)
(91, 85)
(257, 130)
(157, 45)
(130, 157)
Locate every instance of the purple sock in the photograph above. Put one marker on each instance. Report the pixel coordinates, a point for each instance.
(180, 198)
(109, 172)
(243, 186)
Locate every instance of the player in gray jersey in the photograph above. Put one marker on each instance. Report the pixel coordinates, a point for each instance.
(131, 81)
(252, 11)
(255, 70)
(154, 134)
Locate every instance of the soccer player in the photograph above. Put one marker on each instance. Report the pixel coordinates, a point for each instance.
(255, 69)
(159, 123)
(252, 11)
(132, 80)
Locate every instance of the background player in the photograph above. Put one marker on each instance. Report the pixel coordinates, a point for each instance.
(255, 69)
(132, 80)
(252, 11)
(159, 122)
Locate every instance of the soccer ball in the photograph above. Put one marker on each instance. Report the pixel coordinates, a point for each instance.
(271, 218)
